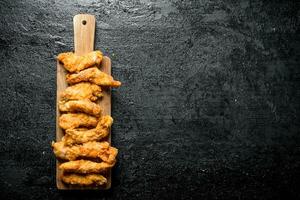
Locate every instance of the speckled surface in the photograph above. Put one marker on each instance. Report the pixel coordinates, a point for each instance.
(209, 107)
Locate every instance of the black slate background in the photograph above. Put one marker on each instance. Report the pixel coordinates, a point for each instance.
(209, 107)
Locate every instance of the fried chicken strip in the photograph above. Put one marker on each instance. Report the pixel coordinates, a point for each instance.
(83, 105)
(100, 150)
(74, 63)
(93, 75)
(85, 166)
(74, 120)
(84, 180)
(78, 136)
(81, 91)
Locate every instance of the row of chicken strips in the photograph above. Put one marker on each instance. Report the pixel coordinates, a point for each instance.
(86, 155)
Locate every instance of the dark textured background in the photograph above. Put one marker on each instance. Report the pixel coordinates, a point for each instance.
(209, 106)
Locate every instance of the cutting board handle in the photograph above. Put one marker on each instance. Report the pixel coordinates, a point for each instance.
(84, 33)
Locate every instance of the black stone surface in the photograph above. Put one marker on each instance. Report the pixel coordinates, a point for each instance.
(209, 107)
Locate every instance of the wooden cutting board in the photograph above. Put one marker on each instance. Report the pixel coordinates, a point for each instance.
(84, 34)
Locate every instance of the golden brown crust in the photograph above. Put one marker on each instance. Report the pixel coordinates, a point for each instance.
(84, 180)
(81, 91)
(74, 120)
(93, 75)
(100, 150)
(82, 127)
(83, 105)
(85, 166)
(74, 63)
(78, 136)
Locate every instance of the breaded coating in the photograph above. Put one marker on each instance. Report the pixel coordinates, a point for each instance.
(84, 105)
(84, 179)
(74, 120)
(93, 75)
(100, 150)
(85, 166)
(74, 63)
(82, 91)
(78, 136)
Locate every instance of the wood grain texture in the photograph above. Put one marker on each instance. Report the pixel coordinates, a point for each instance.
(84, 33)
(83, 43)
